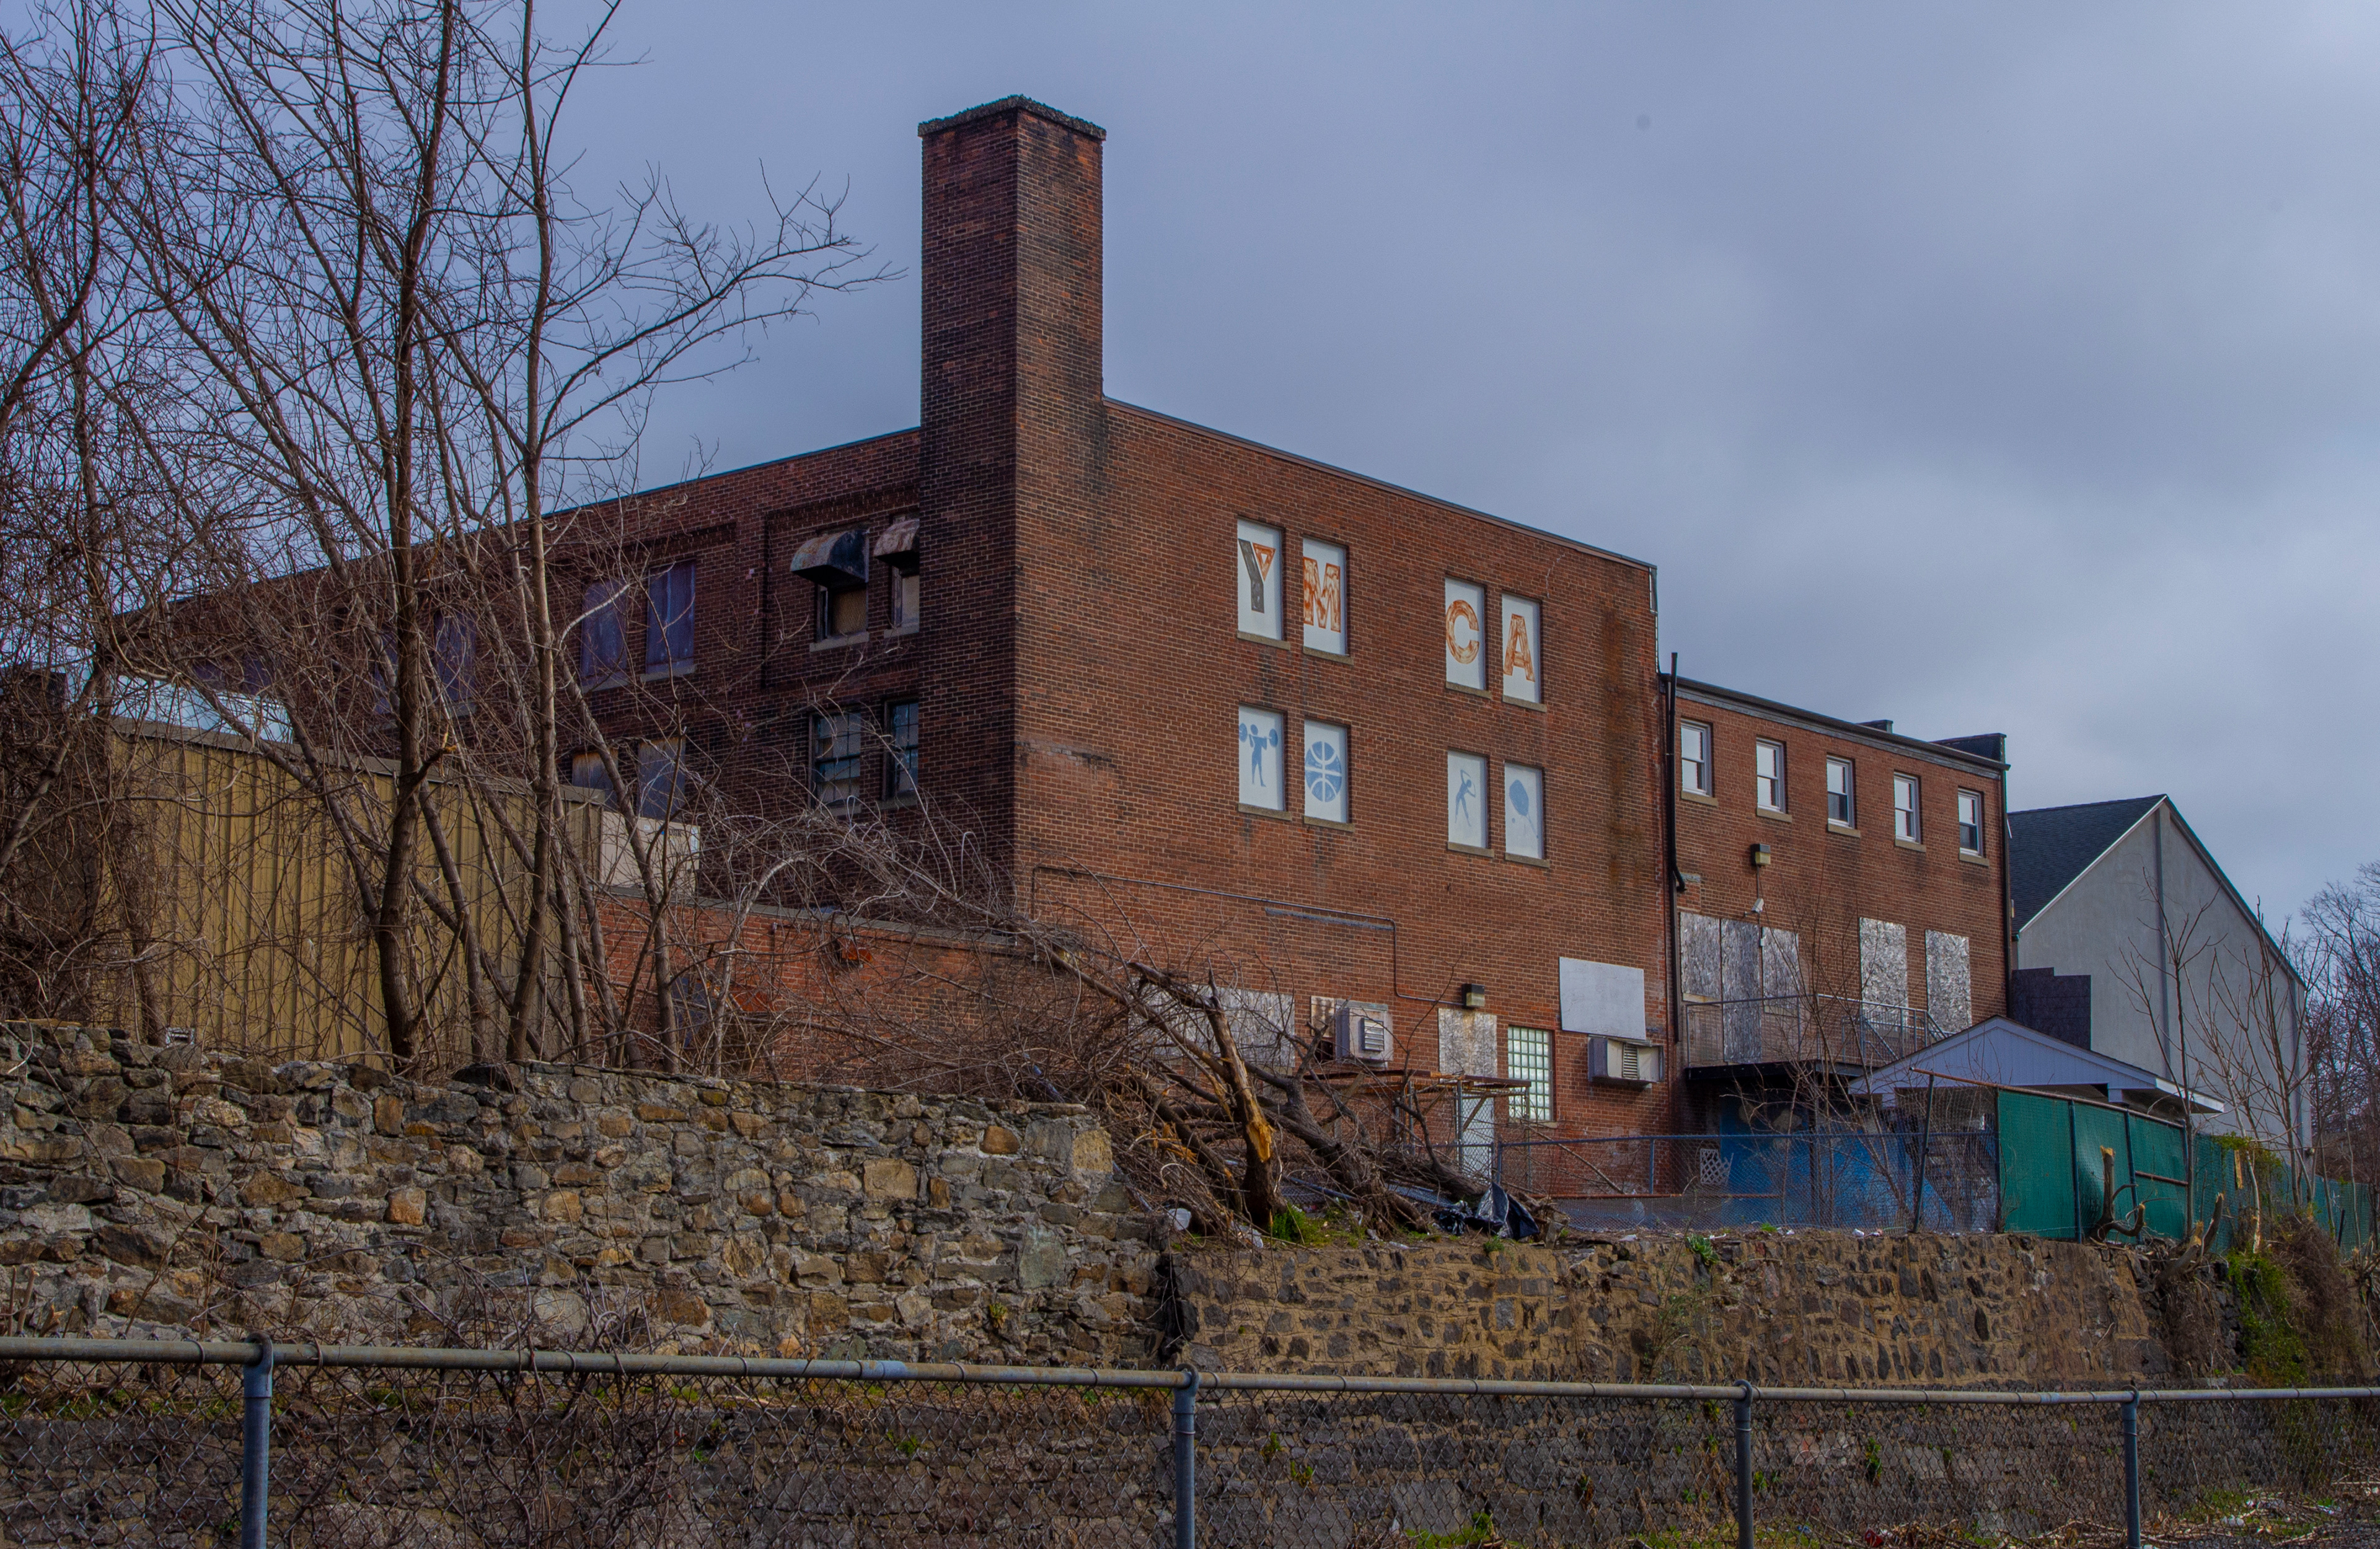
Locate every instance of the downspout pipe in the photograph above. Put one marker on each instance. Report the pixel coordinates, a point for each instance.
(1667, 765)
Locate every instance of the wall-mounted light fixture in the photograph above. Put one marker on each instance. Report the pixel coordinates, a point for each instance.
(1474, 997)
(1760, 855)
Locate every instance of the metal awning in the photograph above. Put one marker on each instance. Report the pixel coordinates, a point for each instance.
(836, 560)
(897, 544)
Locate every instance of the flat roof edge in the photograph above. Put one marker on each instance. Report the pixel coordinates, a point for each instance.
(1334, 470)
(1723, 697)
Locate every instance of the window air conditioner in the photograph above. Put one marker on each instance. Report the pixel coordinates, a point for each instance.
(1360, 1033)
(1622, 1062)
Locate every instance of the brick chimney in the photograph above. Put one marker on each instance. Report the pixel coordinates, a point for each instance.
(1011, 411)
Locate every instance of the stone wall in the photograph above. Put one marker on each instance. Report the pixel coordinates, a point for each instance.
(152, 1189)
(1800, 1309)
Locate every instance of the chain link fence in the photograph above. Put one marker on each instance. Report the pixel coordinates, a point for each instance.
(116, 1442)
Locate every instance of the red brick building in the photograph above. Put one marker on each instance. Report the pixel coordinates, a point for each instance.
(1347, 744)
(1841, 894)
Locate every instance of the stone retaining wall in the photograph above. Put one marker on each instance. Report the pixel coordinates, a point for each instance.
(1778, 1308)
(149, 1190)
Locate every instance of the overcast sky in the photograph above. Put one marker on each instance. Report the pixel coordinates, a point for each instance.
(2009, 367)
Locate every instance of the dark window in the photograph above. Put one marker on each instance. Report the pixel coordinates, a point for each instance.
(669, 619)
(660, 778)
(588, 773)
(904, 600)
(900, 737)
(454, 646)
(835, 746)
(602, 634)
(842, 611)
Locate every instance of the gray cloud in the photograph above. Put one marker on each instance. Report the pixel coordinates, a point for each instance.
(2005, 368)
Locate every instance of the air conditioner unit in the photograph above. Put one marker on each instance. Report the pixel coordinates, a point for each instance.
(1622, 1062)
(1362, 1032)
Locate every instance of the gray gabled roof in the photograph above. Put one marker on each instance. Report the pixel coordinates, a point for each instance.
(2049, 846)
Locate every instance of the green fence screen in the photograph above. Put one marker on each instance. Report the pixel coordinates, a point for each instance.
(2057, 1156)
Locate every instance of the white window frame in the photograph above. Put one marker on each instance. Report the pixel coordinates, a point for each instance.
(1317, 809)
(1478, 792)
(1317, 555)
(1529, 688)
(1251, 568)
(1468, 673)
(1768, 785)
(1264, 720)
(1906, 826)
(1850, 793)
(1689, 768)
(1976, 798)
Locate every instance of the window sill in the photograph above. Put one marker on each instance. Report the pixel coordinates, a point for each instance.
(1773, 814)
(835, 642)
(1327, 822)
(661, 674)
(1273, 640)
(898, 803)
(1846, 829)
(1538, 861)
(1322, 654)
(1698, 797)
(597, 685)
(1910, 845)
(1467, 689)
(1537, 705)
(898, 632)
(1974, 858)
(1479, 850)
(1266, 812)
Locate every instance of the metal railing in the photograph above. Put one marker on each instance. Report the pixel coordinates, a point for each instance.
(1813, 1030)
(381, 1445)
(1870, 1179)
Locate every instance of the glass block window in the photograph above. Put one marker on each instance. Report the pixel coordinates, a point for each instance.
(1528, 1056)
(836, 743)
(900, 749)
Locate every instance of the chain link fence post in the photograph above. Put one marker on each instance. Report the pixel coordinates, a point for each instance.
(255, 1444)
(2131, 1413)
(1743, 1469)
(1185, 1461)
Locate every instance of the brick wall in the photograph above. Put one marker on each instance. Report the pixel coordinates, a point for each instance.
(1821, 878)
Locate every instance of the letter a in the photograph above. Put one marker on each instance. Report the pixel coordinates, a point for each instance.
(1517, 660)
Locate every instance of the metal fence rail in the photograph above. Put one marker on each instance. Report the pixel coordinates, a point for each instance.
(107, 1441)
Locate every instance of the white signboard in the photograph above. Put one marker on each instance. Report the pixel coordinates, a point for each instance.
(1326, 771)
(1466, 799)
(1524, 811)
(1521, 679)
(1602, 998)
(1326, 598)
(1260, 758)
(1466, 635)
(1256, 570)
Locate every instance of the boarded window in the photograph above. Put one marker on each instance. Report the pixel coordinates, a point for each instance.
(1949, 996)
(1326, 598)
(1520, 654)
(1466, 799)
(1884, 973)
(1524, 811)
(1326, 771)
(1256, 565)
(1466, 635)
(1260, 759)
